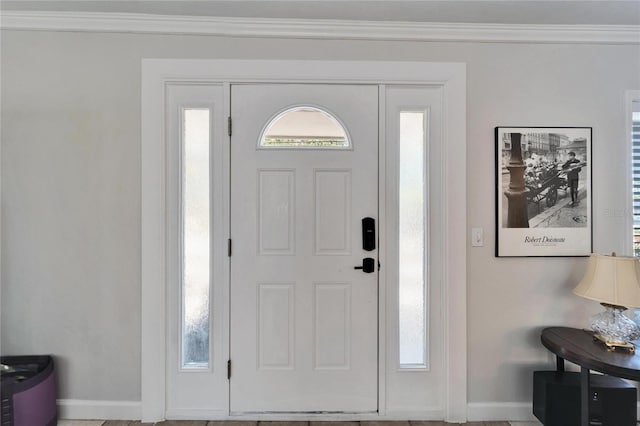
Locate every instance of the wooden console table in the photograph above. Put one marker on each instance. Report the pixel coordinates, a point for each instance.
(579, 347)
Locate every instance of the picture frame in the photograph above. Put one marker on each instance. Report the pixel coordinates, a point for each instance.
(543, 191)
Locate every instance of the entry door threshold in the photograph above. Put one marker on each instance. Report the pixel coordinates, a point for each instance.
(306, 415)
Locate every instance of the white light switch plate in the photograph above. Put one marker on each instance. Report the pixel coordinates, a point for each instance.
(477, 237)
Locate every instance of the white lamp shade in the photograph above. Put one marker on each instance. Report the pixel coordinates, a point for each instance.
(611, 279)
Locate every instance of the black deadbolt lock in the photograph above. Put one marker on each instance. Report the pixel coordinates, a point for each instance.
(368, 233)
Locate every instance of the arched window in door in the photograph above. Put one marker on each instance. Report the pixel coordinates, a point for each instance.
(304, 127)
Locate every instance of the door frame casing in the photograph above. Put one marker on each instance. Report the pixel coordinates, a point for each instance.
(451, 77)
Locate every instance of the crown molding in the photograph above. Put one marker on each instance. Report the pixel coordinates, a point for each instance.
(317, 28)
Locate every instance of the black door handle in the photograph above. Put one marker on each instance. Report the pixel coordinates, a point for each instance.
(368, 265)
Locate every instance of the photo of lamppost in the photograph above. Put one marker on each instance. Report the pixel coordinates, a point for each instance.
(543, 191)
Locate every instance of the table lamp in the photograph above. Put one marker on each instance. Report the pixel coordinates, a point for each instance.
(614, 281)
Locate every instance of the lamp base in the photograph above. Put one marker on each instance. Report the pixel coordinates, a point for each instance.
(615, 328)
(612, 346)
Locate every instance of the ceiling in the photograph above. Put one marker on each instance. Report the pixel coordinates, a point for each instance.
(560, 12)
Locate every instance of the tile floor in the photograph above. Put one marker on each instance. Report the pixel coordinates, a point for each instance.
(249, 423)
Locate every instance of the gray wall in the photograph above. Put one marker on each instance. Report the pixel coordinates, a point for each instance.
(71, 192)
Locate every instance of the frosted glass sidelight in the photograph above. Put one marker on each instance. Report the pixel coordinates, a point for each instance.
(304, 127)
(412, 268)
(195, 238)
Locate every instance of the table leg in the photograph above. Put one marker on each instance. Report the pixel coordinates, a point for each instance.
(559, 363)
(584, 396)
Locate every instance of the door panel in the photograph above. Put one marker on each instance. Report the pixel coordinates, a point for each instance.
(414, 368)
(303, 320)
(197, 297)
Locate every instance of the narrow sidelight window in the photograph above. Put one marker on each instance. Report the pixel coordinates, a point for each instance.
(412, 244)
(195, 222)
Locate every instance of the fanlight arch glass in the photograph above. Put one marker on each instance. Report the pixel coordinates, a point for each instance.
(305, 127)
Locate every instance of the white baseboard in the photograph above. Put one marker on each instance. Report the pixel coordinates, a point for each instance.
(497, 411)
(428, 413)
(99, 410)
(196, 414)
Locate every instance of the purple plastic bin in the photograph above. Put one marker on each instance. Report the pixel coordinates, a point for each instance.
(29, 391)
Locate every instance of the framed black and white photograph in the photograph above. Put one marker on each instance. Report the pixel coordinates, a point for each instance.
(543, 191)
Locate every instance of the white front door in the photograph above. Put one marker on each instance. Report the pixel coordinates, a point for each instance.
(304, 322)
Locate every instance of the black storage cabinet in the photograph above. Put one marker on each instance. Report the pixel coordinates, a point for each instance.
(556, 399)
